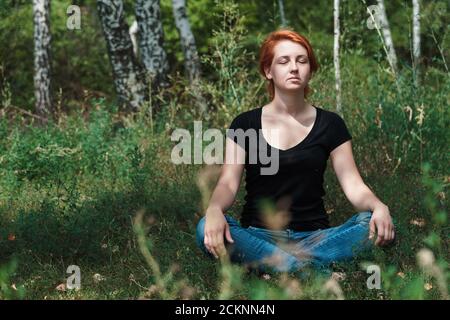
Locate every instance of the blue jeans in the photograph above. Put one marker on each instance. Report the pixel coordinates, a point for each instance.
(287, 250)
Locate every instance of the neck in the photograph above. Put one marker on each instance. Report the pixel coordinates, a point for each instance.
(292, 103)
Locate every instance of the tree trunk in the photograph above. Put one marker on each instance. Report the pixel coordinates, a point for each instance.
(392, 57)
(151, 40)
(282, 16)
(191, 63)
(42, 68)
(416, 39)
(337, 70)
(128, 76)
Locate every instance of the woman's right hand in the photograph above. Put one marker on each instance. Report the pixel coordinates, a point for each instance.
(215, 227)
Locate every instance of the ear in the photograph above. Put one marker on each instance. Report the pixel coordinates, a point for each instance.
(268, 74)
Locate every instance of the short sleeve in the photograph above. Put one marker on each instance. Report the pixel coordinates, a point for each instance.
(337, 132)
(239, 122)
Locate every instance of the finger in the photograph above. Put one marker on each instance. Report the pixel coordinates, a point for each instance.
(389, 234)
(385, 237)
(207, 243)
(380, 238)
(228, 233)
(212, 246)
(218, 244)
(371, 229)
(393, 234)
(220, 247)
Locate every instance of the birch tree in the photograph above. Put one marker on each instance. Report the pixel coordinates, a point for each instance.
(337, 70)
(128, 76)
(282, 16)
(416, 38)
(42, 65)
(151, 40)
(391, 55)
(192, 63)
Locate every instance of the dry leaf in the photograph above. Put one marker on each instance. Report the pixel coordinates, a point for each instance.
(338, 276)
(428, 286)
(266, 276)
(151, 220)
(98, 277)
(418, 222)
(61, 287)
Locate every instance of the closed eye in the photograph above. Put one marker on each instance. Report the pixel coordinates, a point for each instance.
(301, 61)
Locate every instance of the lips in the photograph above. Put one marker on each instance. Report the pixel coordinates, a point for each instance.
(293, 78)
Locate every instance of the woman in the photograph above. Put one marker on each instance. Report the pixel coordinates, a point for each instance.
(305, 137)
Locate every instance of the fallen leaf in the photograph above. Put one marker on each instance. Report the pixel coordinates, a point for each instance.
(151, 220)
(338, 276)
(98, 277)
(266, 276)
(418, 222)
(428, 286)
(61, 287)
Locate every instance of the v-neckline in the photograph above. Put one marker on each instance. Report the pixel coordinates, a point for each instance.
(316, 120)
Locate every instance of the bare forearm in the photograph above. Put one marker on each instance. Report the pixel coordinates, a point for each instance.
(222, 197)
(363, 199)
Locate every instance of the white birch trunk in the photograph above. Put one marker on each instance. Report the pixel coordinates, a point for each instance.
(282, 16)
(416, 38)
(392, 56)
(128, 76)
(192, 63)
(42, 65)
(337, 70)
(151, 40)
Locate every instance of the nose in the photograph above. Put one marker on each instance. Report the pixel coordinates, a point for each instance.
(294, 66)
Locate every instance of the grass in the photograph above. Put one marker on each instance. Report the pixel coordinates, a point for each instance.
(87, 220)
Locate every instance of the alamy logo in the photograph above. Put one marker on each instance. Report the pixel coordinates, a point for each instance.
(374, 281)
(74, 19)
(213, 153)
(73, 281)
(374, 19)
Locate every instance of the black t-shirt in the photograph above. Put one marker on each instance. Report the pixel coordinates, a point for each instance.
(297, 185)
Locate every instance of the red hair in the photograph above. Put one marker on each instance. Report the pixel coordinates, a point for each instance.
(266, 54)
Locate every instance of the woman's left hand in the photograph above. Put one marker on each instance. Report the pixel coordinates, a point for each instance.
(381, 221)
